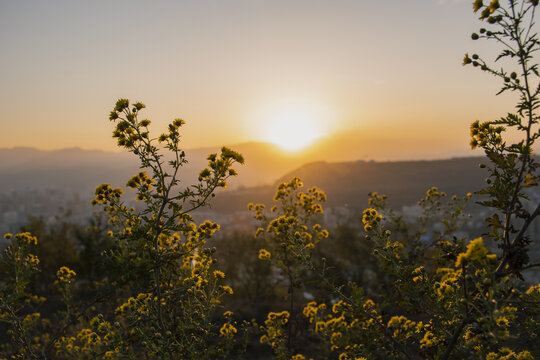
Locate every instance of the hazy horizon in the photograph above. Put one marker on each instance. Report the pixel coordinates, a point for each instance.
(385, 76)
(325, 149)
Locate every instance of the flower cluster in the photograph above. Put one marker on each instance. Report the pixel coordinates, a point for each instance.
(99, 340)
(143, 183)
(227, 330)
(129, 130)
(65, 275)
(290, 236)
(264, 254)
(312, 309)
(377, 200)
(173, 135)
(371, 219)
(507, 354)
(273, 328)
(346, 328)
(485, 135)
(221, 166)
(104, 194)
(488, 10)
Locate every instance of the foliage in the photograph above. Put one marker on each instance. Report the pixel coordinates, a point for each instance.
(290, 239)
(159, 270)
(449, 297)
(146, 283)
(512, 168)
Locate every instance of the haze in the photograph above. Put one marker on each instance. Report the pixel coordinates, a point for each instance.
(383, 78)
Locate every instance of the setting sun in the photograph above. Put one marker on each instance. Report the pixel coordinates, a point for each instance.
(292, 122)
(292, 130)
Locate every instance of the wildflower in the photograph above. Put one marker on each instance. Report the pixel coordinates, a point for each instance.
(466, 59)
(26, 238)
(227, 289)
(477, 5)
(227, 330)
(65, 275)
(319, 326)
(219, 274)
(428, 340)
(370, 219)
(264, 254)
(310, 310)
(494, 5)
(476, 251)
(32, 260)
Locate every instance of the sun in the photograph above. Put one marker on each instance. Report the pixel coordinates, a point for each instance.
(292, 130)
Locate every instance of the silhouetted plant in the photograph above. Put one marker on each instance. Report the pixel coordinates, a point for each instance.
(160, 282)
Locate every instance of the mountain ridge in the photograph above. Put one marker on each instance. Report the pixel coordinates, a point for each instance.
(79, 169)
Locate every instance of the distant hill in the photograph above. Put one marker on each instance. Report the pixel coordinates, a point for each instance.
(76, 169)
(68, 169)
(349, 183)
(82, 170)
(264, 162)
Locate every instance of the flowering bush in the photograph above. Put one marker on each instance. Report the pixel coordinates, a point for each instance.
(158, 293)
(160, 279)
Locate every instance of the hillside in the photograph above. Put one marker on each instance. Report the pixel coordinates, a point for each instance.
(81, 170)
(41, 182)
(349, 183)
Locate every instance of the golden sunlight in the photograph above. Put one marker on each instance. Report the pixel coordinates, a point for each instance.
(292, 130)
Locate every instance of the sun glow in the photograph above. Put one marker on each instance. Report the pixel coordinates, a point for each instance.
(292, 130)
(291, 122)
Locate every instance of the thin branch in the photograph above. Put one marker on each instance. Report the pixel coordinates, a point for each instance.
(531, 266)
(454, 339)
(519, 236)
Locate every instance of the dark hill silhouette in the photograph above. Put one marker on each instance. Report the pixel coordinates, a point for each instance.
(76, 169)
(349, 183)
(81, 170)
(72, 169)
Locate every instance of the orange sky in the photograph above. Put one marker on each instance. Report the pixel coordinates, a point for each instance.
(377, 70)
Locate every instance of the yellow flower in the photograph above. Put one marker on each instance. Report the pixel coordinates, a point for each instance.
(264, 254)
(477, 5)
(428, 340)
(227, 330)
(476, 251)
(319, 326)
(65, 275)
(219, 274)
(535, 289)
(370, 219)
(227, 289)
(310, 309)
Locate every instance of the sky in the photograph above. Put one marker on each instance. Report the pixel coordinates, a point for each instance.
(245, 70)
